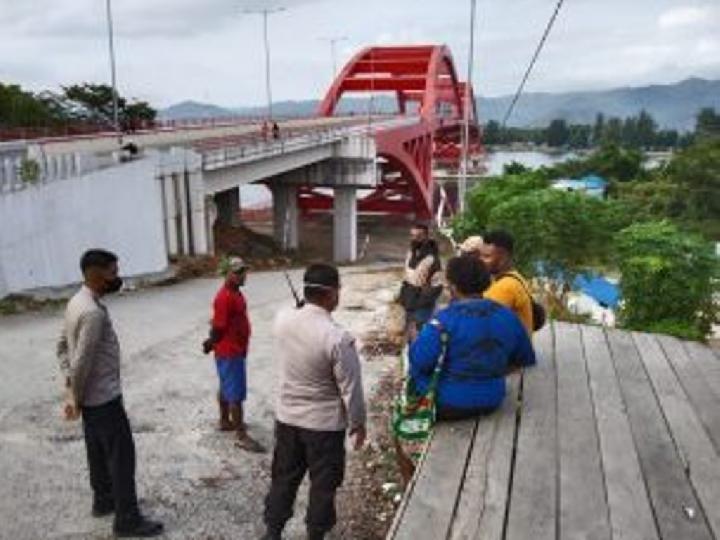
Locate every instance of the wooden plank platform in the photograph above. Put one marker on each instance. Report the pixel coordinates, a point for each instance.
(614, 435)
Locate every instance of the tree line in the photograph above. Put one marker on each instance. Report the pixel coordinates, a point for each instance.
(639, 131)
(76, 104)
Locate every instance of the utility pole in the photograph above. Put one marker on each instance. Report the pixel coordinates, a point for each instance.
(462, 186)
(113, 75)
(266, 12)
(333, 51)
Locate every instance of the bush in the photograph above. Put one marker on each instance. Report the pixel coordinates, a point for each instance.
(612, 162)
(561, 233)
(515, 167)
(29, 171)
(656, 199)
(667, 280)
(696, 171)
(490, 193)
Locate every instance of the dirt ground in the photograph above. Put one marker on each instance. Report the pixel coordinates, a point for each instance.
(380, 238)
(189, 475)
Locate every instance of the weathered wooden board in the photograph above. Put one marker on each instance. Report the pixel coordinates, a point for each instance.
(692, 373)
(710, 363)
(701, 462)
(431, 508)
(533, 499)
(631, 515)
(583, 506)
(670, 490)
(484, 496)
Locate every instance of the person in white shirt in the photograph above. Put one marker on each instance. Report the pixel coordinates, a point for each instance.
(320, 400)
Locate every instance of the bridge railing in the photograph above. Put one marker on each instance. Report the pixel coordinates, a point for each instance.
(21, 172)
(225, 151)
(84, 129)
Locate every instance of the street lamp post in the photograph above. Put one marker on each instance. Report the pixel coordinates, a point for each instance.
(462, 187)
(266, 12)
(333, 50)
(113, 75)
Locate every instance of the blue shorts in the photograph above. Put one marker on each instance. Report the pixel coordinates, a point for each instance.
(233, 379)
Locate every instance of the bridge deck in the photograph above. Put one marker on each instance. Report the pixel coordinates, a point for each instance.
(612, 435)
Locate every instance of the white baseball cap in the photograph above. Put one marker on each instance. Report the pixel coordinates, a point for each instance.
(471, 244)
(237, 264)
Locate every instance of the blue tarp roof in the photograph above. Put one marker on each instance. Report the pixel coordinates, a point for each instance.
(594, 285)
(593, 181)
(600, 289)
(589, 183)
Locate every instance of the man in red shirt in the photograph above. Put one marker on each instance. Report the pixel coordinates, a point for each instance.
(229, 338)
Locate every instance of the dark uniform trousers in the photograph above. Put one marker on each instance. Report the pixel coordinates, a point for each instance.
(297, 451)
(111, 459)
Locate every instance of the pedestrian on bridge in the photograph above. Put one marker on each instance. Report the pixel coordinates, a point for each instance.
(89, 355)
(229, 339)
(320, 399)
(276, 131)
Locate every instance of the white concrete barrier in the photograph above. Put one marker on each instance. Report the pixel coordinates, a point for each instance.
(46, 227)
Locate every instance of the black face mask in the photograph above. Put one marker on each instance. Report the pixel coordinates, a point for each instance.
(113, 285)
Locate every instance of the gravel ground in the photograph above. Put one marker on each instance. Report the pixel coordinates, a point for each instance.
(189, 475)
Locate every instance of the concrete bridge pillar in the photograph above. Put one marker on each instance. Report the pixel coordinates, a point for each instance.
(185, 208)
(285, 216)
(228, 206)
(211, 215)
(345, 224)
(201, 237)
(172, 211)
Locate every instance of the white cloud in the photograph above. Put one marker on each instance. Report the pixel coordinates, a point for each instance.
(688, 16)
(170, 50)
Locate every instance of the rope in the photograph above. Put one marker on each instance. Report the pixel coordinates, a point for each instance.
(545, 35)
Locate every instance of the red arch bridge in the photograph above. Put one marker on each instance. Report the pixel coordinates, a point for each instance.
(429, 93)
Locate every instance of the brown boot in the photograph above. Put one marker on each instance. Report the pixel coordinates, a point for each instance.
(244, 440)
(225, 423)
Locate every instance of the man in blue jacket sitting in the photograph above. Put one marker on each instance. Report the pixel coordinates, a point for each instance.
(485, 342)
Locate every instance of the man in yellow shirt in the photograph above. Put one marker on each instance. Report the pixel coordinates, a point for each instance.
(508, 288)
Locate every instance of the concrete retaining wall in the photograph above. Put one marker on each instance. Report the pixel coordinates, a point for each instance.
(44, 229)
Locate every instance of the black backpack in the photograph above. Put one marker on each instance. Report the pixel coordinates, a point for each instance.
(538, 311)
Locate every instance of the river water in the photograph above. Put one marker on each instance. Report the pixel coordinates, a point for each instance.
(495, 161)
(256, 195)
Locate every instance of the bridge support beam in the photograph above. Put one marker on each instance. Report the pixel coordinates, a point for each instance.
(345, 224)
(285, 216)
(185, 209)
(228, 207)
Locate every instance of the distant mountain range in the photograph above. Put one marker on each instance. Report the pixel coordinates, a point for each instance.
(673, 106)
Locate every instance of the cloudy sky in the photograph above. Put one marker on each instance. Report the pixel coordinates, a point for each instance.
(210, 50)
